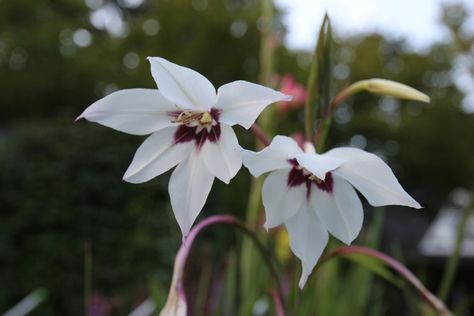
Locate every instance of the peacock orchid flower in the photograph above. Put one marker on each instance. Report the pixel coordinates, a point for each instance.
(190, 126)
(313, 194)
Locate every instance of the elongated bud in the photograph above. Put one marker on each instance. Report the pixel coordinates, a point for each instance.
(394, 89)
(383, 87)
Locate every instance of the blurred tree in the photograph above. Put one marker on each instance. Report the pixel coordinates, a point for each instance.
(59, 56)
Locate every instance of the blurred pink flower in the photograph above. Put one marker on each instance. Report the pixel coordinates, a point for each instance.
(289, 86)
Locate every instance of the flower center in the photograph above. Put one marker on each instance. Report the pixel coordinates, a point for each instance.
(301, 176)
(198, 126)
(193, 118)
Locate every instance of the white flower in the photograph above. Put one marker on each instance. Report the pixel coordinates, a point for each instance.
(190, 126)
(312, 194)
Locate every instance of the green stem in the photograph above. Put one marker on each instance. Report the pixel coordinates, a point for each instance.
(322, 134)
(250, 263)
(453, 262)
(309, 110)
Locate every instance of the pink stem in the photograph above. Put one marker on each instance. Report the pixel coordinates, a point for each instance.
(280, 311)
(429, 297)
(185, 248)
(257, 130)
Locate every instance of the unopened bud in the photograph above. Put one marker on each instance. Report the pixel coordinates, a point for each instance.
(395, 89)
(386, 88)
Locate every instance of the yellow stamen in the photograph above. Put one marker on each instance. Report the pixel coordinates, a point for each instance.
(316, 179)
(187, 117)
(206, 118)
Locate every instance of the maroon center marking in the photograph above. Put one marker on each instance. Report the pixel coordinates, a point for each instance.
(185, 133)
(296, 177)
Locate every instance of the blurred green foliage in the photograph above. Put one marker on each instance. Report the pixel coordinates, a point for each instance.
(60, 182)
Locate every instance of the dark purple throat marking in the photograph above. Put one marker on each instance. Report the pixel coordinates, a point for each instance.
(209, 132)
(297, 177)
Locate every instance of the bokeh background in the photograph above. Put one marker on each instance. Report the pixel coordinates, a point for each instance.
(64, 207)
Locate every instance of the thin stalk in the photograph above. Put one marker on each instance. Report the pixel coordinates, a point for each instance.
(260, 134)
(184, 250)
(280, 311)
(323, 132)
(429, 297)
(250, 267)
(453, 262)
(309, 110)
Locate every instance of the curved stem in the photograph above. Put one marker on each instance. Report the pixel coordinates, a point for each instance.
(181, 257)
(429, 297)
(260, 134)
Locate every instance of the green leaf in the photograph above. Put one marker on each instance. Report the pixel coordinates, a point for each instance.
(324, 56)
(376, 266)
(319, 80)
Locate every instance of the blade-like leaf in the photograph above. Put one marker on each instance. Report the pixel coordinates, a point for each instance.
(319, 80)
(376, 266)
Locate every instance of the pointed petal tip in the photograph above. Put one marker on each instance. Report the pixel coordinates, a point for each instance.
(417, 206)
(184, 237)
(266, 227)
(128, 178)
(83, 115)
(349, 241)
(226, 181)
(302, 282)
(287, 97)
(152, 59)
(185, 232)
(411, 202)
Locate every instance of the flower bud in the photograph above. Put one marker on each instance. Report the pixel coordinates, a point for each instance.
(381, 87)
(393, 89)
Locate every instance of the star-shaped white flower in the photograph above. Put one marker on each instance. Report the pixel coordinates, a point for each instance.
(313, 194)
(190, 126)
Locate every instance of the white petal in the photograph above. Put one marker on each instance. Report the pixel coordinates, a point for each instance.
(156, 155)
(224, 158)
(318, 165)
(281, 201)
(189, 186)
(133, 111)
(372, 177)
(340, 211)
(183, 86)
(274, 156)
(308, 238)
(241, 102)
